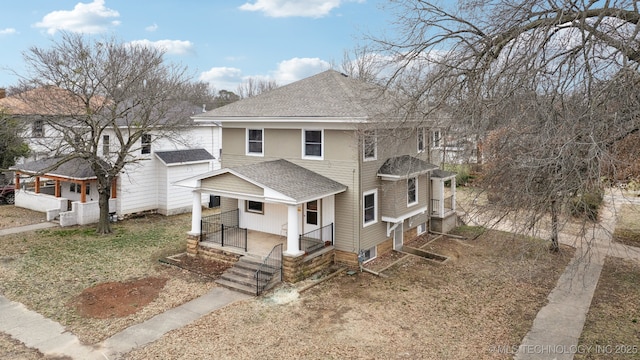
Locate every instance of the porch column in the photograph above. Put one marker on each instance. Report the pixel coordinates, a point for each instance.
(293, 247)
(17, 181)
(196, 214)
(442, 196)
(453, 194)
(57, 189)
(37, 188)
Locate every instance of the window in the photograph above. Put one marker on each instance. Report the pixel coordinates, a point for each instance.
(255, 142)
(421, 140)
(422, 228)
(368, 254)
(436, 138)
(370, 144)
(312, 212)
(412, 191)
(72, 187)
(255, 207)
(370, 207)
(146, 143)
(105, 145)
(312, 143)
(37, 129)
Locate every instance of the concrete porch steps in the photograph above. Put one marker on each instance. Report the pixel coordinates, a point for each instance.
(241, 277)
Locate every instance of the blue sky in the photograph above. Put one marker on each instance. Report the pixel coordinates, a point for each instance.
(221, 41)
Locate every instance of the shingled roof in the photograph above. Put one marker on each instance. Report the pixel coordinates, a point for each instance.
(404, 166)
(184, 156)
(327, 94)
(78, 169)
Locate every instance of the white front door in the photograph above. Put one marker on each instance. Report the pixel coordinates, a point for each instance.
(312, 216)
(398, 235)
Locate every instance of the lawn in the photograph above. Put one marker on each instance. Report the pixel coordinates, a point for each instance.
(45, 270)
(628, 225)
(487, 294)
(612, 328)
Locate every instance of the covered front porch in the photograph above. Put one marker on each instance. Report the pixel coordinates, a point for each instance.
(277, 198)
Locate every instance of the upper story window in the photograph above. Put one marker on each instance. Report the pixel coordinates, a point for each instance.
(436, 138)
(37, 129)
(105, 145)
(421, 140)
(370, 207)
(255, 142)
(370, 145)
(412, 191)
(312, 147)
(145, 140)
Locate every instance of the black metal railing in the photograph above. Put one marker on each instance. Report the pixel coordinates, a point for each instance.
(224, 229)
(269, 269)
(317, 239)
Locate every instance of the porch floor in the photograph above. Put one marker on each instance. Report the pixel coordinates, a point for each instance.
(258, 244)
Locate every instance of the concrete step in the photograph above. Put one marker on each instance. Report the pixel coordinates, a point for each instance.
(252, 265)
(245, 289)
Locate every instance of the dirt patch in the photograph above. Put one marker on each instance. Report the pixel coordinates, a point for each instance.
(198, 265)
(118, 299)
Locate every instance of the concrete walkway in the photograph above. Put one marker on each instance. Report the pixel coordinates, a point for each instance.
(52, 339)
(558, 325)
(38, 226)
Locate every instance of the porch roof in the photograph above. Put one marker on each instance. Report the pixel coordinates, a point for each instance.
(405, 166)
(280, 181)
(76, 168)
(443, 174)
(176, 157)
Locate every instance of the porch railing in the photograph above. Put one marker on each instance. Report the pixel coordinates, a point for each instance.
(435, 206)
(317, 239)
(224, 229)
(270, 268)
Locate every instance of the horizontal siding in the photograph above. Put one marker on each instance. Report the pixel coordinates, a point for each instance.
(138, 188)
(232, 183)
(180, 199)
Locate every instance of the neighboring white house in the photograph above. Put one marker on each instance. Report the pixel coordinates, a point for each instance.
(69, 191)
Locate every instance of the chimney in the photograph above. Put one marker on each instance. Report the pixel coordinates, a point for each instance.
(3, 93)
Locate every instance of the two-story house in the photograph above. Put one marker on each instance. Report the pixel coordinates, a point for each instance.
(329, 158)
(68, 192)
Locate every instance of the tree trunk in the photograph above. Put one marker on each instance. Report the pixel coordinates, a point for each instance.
(554, 227)
(104, 194)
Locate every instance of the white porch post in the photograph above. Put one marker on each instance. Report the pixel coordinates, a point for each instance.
(453, 194)
(196, 214)
(442, 196)
(293, 247)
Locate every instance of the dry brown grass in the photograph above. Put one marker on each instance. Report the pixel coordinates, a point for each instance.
(628, 225)
(613, 321)
(487, 295)
(11, 216)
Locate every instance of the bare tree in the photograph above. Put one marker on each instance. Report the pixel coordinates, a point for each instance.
(252, 87)
(108, 87)
(543, 78)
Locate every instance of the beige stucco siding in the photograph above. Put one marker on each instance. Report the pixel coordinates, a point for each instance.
(231, 183)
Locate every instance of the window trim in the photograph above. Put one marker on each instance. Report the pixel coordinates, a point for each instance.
(373, 253)
(247, 141)
(145, 146)
(37, 129)
(370, 134)
(421, 134)
(304, 143)
(436, 142)
(373, 192)
(251, 211)
(415, 190)
(106, 145)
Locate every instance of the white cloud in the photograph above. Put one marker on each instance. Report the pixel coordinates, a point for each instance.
(8, 31)
(175, 47)
(90, 18)
(152, 28)
(287, 8)
(298, 68)
(222, 78)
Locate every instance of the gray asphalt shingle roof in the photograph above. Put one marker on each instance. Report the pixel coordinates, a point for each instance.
(183, 156)
(327, 94)
(405, 165)
(443, 174)
(73, 169)
(289, 179)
